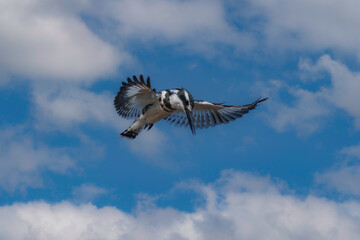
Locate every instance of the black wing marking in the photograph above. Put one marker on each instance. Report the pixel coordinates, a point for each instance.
(133, 97)
(208, 114)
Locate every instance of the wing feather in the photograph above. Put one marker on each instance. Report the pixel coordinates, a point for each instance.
(211, 114)
(134, 96)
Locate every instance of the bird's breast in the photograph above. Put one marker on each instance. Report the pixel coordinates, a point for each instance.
(155, 114)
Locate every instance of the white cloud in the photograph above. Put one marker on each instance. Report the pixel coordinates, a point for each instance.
(345, 85)
(198, 25)
(305, 114)
(47, 40)
(311, 106)
(343, 91)
(40, 220)
(23, 160)
(308, 24)
(67, 107)
(238, 206)
(50, 40)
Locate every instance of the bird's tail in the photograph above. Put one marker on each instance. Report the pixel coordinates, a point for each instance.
(129, 133)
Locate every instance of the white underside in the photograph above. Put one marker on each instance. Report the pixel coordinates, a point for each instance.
(154, 114)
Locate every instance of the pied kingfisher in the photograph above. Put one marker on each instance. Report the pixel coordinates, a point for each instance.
(136, 99)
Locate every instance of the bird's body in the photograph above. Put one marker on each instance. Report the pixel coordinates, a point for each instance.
(153, 114)
(137, 100)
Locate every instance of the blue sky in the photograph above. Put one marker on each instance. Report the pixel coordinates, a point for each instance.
(287, 170)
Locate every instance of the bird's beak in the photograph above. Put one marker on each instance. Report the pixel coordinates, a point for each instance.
(190, 119)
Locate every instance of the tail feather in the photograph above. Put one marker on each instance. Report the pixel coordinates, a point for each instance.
(131, 134)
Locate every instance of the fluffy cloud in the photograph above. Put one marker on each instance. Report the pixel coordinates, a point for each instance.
(207, 26)
(343, 91)
(304, 114)
(311, 106)
(43, 39)
(69, 106)
(23, 160)
(345, 84)
(199, 25)
(237, 206)
(308, 24)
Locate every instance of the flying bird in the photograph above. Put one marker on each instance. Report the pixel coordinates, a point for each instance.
(136, 99)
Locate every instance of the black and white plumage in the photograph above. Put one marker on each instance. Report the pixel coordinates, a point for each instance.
(136, 99)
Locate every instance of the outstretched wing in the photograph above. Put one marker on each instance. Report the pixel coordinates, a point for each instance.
(210, 114)
(133, 97)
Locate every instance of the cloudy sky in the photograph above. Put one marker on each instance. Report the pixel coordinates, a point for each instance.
(288, 170)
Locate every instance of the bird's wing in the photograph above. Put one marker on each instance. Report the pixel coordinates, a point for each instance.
(133, 97)
(208, 114)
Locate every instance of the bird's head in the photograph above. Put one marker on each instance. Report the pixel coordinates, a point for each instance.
(188, 106)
